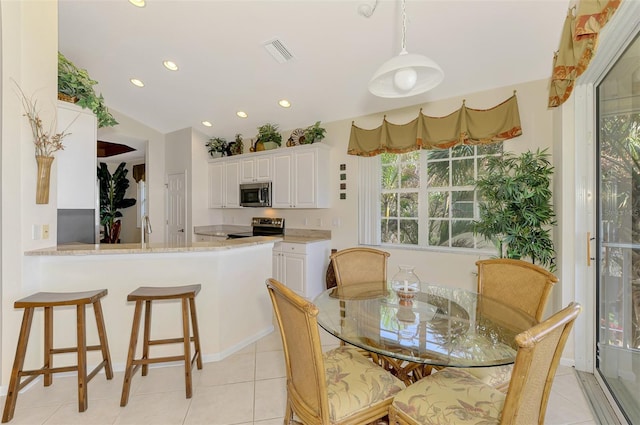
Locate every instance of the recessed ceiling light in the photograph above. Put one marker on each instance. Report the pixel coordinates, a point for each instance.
(242, 114)
(284, 103)
(137, 3)
(136, 82)
(171, 66)
(206, 123)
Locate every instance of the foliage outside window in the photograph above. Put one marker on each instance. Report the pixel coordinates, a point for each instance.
(428, 197)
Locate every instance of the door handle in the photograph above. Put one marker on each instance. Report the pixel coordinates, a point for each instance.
(181, 230)
(589, 257)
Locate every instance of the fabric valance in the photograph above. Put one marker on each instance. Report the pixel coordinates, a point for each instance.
(465, 126)
(578, 45)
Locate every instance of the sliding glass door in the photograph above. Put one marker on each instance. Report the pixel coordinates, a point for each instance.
(618, 237)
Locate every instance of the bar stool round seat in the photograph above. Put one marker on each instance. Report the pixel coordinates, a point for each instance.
(49, 300)
(143, 296)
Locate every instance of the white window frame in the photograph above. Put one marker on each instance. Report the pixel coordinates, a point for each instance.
(370, 199)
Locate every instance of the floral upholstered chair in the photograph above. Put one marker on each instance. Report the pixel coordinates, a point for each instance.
(337, 387)
(453, 396)
(519, 284)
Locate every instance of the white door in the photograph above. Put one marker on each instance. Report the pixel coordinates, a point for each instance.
(176, 209)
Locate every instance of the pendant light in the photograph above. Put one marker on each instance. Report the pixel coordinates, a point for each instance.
(407, 74)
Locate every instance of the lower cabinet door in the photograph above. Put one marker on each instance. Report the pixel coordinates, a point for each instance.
(294, 272)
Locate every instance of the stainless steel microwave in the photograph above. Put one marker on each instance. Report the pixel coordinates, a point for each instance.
(255, 194)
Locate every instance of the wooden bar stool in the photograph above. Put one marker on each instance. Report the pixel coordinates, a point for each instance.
(48, 300)
(147, 294)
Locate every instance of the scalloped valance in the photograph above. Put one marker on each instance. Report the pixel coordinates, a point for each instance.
(465, 126)
(578, 45)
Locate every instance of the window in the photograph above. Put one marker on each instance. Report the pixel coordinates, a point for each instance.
(428, 199)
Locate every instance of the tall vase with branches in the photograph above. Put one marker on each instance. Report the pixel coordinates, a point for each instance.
(46, 143)
(515, 209)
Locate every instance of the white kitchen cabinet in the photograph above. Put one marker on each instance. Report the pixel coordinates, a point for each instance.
(224, 184)
(257, 169)
(302, 266)
(300, 177)
(77, 162)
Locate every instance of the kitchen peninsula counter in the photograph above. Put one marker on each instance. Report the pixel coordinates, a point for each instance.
(233, 306)
(151, 248)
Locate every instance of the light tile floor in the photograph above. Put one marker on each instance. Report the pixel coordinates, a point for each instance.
(245, 388)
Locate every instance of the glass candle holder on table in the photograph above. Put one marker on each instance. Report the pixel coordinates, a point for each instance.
(406, 284)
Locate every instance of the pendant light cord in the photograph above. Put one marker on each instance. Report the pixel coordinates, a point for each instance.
(404, 26)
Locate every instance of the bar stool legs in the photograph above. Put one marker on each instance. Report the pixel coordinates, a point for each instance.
(143, 297)
(48, 300)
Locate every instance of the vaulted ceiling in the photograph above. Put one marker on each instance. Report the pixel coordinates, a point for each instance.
(224, 67)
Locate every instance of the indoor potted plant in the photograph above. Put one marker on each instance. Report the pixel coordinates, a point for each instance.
(217, 147)
(75, 85)
(312, 134)
(237, 146)
(113, 188)
(268, 137)
(515, 206)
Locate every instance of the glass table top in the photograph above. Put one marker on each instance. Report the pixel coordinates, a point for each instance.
(439, 326)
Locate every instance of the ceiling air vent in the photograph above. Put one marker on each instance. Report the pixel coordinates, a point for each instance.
(278, 50)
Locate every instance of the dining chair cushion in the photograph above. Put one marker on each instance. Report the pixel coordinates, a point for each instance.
(451, 396)
(355, 383)
(497, 376)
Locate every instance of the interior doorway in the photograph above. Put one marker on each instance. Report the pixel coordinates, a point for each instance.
(176, 209)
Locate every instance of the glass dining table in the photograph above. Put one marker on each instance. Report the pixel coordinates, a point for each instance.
(437, 326)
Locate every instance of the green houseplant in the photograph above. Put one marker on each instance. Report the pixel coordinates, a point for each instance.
(268, 133)
(515, 210)
(217, 147)
(237, 146)
(313, 133)
(113, 188)
(77, 86)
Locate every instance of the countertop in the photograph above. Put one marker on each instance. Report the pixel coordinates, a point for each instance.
(290, 235)
(150, 248)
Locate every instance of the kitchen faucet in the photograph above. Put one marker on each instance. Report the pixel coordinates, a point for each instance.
(145, 229)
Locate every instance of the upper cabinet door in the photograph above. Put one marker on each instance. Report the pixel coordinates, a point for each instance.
(224, 184)
(282, 180)
(256, 169)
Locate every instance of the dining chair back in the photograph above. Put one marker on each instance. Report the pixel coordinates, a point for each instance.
(337, 387)
(454, 396)
(518, 283)
(359, 265)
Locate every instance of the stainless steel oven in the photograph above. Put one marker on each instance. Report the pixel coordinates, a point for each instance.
(255, 194)
(262, 226)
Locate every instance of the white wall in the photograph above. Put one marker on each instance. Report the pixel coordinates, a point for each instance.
(437, 267)
(201, 215)
(29, 57)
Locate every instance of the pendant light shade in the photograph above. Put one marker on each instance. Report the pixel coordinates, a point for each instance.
(407, 74)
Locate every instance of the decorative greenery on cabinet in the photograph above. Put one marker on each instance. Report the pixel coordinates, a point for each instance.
(77, 86)
(268, 133)
(516, 213)
(313, 133)
(217, 147)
